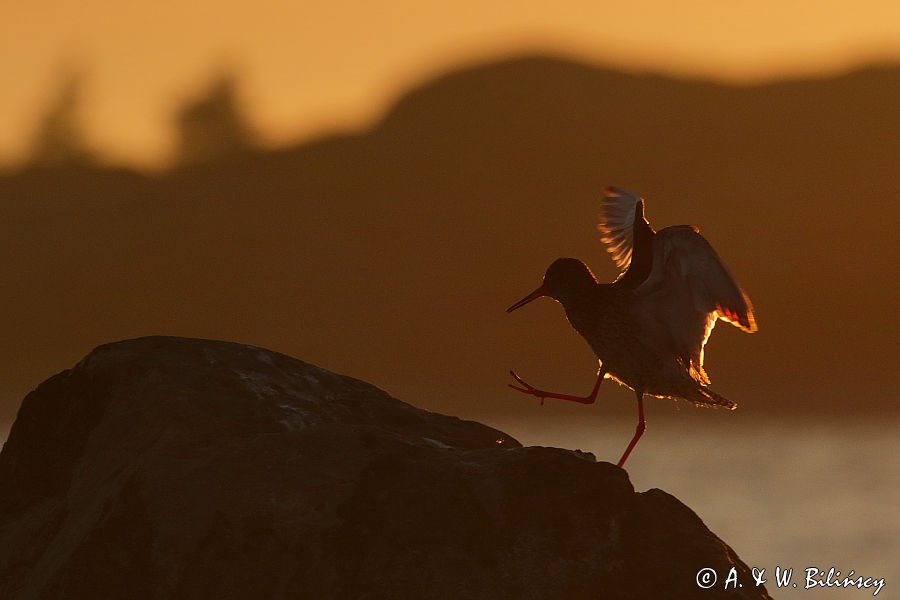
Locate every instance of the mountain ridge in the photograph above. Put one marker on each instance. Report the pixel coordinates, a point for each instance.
(452, 206)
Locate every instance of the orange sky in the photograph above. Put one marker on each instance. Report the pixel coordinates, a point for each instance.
(312, 65)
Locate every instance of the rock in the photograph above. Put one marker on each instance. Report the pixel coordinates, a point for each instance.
(178, 468)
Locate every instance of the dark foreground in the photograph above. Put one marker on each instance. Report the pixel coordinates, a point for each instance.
(179, 468)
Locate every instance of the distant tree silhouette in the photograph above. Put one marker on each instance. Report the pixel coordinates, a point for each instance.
(59, 138)
(212, 127)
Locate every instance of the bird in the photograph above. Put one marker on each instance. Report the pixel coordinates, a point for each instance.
(649, 326)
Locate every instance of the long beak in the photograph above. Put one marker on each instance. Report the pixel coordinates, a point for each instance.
(538, 293)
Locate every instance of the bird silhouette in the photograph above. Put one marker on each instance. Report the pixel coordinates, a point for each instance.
(647, 328)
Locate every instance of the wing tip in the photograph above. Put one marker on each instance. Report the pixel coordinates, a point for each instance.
(613, 192)
(746, 321)
(616, 223)
(751, 326)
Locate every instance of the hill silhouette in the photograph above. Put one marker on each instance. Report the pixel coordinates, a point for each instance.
(391, 253)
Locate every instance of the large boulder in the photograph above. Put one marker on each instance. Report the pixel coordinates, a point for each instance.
(179, 468)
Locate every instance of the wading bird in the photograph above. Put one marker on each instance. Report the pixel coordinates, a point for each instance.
(648, 327)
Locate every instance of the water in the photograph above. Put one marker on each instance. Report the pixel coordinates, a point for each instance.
(790, 494)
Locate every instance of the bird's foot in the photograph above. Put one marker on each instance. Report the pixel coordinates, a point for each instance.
(527, 388)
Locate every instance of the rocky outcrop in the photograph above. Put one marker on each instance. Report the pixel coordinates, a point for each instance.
(180, 468)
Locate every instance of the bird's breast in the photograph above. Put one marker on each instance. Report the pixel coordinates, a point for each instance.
(614, 338)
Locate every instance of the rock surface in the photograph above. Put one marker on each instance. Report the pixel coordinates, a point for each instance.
(179, 468)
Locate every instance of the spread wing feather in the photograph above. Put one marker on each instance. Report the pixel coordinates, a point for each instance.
(616, 224)
(688, 290)
(682, 285)
(627, 235)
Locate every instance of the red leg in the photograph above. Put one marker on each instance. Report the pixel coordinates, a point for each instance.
(639, 431)
(532, 391)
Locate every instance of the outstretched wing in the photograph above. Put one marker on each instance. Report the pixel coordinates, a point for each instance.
(627, 235)
(687, 290)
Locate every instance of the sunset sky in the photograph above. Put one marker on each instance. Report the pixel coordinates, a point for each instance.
(311, 66)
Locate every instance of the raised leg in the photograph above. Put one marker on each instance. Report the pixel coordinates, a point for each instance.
(639, 431)
(533, 391)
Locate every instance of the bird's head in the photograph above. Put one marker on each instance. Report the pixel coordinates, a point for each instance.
(565, 278)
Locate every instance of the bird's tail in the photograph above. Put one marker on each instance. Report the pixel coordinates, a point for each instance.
(707, 397)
